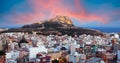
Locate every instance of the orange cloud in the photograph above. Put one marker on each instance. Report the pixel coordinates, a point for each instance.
(45, 9)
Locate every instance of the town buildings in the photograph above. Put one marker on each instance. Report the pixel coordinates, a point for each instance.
(26, 48)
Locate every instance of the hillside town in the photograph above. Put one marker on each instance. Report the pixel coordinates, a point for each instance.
(19, 47)
(59, 31)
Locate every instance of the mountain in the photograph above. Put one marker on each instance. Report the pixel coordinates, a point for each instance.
(3, 29)
(59, 25)
(58, 21)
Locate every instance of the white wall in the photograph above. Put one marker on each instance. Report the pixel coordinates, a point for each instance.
(35, 50)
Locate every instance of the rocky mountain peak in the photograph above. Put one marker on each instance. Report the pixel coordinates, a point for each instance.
(62, 19)
(58, 21)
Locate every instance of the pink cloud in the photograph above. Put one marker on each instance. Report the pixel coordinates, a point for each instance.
(46, 9)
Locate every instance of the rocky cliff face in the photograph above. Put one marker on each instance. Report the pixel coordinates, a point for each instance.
(62, 19)
(58, 25)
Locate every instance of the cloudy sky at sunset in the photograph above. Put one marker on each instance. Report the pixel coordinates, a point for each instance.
(83, 13)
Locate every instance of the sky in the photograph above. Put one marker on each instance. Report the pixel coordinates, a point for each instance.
(83, 13)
